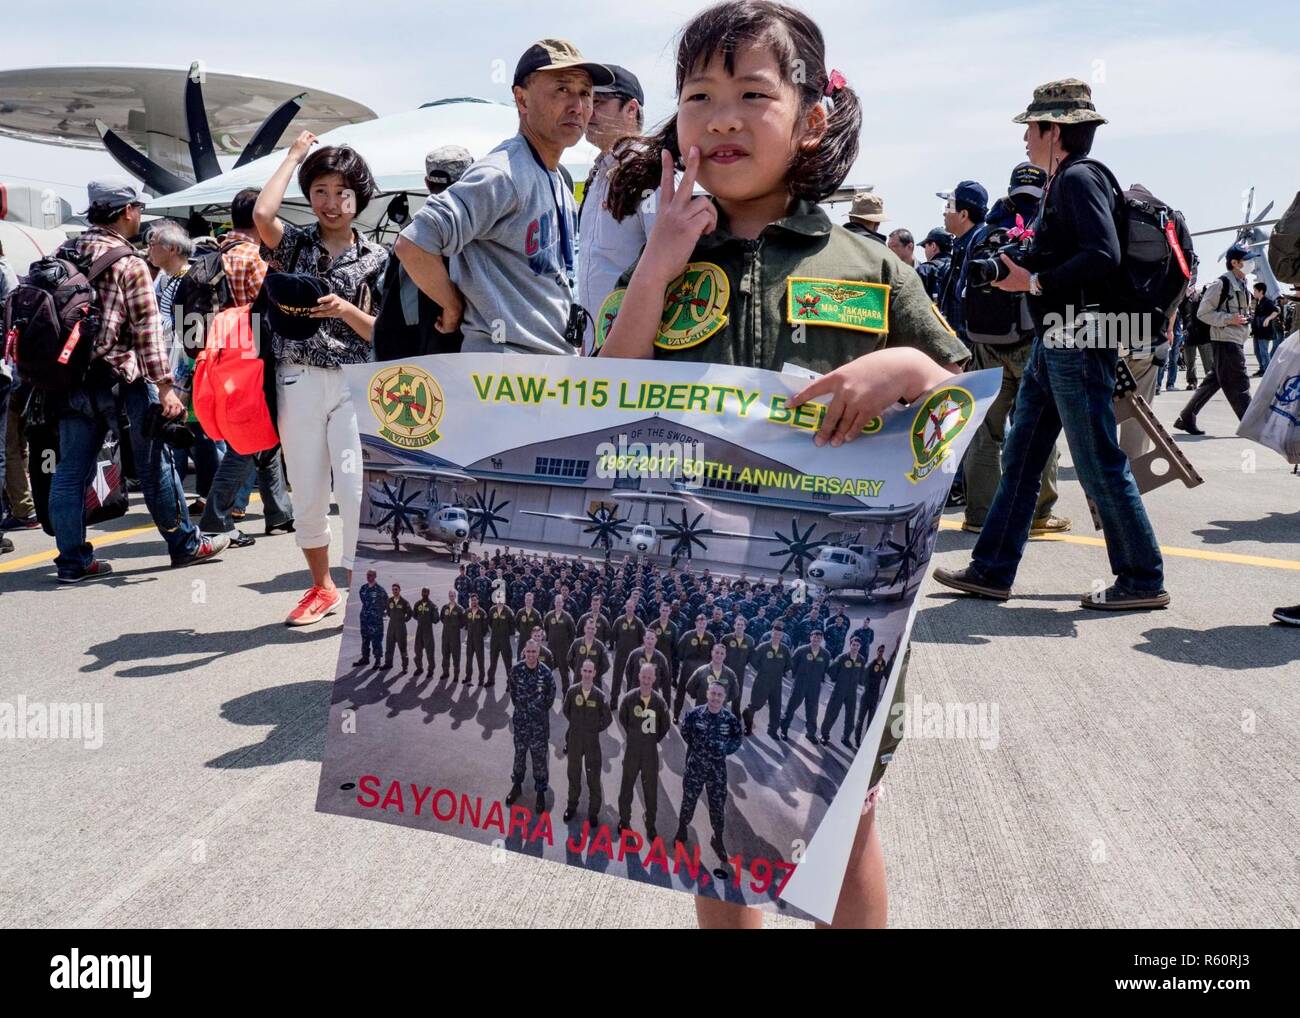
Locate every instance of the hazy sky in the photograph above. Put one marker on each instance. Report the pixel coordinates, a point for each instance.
(1200, 96)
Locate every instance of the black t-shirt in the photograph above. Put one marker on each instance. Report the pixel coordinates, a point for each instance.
(1263, 309)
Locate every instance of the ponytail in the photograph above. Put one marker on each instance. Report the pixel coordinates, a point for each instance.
(638, 168)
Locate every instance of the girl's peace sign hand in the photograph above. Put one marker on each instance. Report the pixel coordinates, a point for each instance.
(681, 221)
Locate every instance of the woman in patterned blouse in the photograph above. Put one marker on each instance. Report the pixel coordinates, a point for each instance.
(316, 419)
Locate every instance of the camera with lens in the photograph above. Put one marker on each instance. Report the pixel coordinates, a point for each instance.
(156, 427)
(986, 267)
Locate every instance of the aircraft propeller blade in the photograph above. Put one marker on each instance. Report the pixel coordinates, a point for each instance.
(154, 177)
(264, 140)
(202, 153)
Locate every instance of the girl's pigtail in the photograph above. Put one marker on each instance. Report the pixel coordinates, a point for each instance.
(639, 168)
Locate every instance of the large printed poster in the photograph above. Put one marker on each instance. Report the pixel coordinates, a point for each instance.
(507, 708)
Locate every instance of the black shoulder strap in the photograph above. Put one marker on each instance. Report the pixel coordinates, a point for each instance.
(301, 241)
(1224, 290)
(1121, 202)
(101, 264)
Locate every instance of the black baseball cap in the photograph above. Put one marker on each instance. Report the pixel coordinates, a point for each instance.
(625, 84)
(941, 237)
(288, 300)
(558, 55)
(1028, 179)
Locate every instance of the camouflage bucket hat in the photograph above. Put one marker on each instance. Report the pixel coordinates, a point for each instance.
(1062, 102)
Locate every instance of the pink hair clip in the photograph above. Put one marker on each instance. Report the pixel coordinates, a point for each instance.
(834, 82)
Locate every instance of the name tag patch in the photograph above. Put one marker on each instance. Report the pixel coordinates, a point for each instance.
(840, 303)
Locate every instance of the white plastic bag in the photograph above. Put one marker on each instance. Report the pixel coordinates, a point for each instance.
(1273, 417)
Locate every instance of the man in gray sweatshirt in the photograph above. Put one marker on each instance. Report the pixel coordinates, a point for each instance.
(508, 225)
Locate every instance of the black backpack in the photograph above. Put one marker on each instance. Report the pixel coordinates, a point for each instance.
(1156, 254)
(52, 318)
(393, 338)
(200, 294)
(1197, 331)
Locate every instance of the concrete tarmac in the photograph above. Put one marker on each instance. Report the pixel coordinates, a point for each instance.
(1134, 769)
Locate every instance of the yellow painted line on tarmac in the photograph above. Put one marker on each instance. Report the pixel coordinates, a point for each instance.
(1263, 561)
(36, 558)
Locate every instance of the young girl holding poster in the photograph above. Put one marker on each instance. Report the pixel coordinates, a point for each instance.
(756, 275)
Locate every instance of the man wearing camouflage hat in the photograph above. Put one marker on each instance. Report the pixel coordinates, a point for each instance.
(1072, 264)
(1000, 339)
(866, 214)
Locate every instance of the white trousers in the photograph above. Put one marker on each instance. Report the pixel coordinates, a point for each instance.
(318, 431)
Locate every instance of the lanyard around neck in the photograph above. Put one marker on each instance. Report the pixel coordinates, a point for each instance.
(566, 248)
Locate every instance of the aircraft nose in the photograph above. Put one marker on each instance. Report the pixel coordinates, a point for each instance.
(461, 531)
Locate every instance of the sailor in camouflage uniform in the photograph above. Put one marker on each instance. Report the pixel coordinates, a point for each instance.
(532, 692)
(373, 602)
(712, 733)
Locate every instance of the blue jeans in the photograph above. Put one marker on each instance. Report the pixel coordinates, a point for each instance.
(1072, 391)
(1171, 366)
(1262, 352)
(246, 490)
(205, 455)
(85, 417)
(237, 470)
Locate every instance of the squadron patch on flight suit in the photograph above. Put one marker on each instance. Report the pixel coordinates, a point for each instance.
(606, 315)
(694, 307)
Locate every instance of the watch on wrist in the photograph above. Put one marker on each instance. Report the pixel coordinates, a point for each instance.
(1035, 287)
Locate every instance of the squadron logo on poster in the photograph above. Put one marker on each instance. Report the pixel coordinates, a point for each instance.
(694, 307)
(407, 403)
(938, 421)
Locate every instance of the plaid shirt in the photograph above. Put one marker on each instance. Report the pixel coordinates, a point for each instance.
(131, 339)
(245, 271)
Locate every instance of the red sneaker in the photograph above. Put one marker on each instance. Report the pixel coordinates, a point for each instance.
(314, 606)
